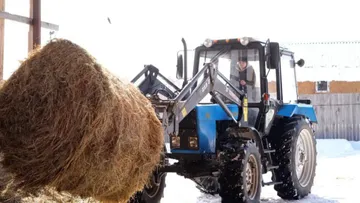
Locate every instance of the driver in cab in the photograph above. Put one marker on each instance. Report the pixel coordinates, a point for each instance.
(246, 77)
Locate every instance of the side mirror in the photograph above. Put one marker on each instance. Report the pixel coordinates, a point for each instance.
(300, 62)
(179, 67)
(273, 61)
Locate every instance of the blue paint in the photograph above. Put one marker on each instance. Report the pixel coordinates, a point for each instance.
(215, 112)
(288, 110)
(206, 117)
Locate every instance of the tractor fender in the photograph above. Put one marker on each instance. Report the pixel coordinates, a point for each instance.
(291, 110)
(252, 133)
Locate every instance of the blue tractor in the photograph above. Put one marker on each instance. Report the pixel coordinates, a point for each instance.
(237, 118)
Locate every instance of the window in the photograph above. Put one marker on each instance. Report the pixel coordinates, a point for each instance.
(229, 64)
(289, 85)
(271, 78)
(322, 86)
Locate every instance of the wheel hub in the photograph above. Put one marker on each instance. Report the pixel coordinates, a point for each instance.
(251, 177)
(300, 157)
(304, 150)
(248, 176)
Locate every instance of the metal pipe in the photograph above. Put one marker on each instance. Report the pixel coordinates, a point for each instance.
(185, 62)
(36, 22)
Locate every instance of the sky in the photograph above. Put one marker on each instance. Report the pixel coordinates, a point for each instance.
(150, 32)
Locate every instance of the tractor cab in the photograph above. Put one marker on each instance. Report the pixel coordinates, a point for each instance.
(267, 67)
(263, 70)
(240, 66)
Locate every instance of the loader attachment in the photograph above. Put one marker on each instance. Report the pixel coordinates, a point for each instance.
(154, 82)
(176, 107)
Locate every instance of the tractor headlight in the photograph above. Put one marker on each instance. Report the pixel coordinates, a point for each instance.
(193, 142)
(208, 43)
(175, 141)
(244, 41)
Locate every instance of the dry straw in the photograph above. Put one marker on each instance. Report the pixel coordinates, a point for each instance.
(67, 123)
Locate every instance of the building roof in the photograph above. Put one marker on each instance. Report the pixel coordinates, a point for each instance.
(323, 43)
(327, 60)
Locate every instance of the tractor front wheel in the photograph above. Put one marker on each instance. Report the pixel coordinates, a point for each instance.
(241, 172)
(153, 192)
(295, 154)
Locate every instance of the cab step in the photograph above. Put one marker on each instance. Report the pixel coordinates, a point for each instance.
(272, 167)
(271, 183)
(267, 151)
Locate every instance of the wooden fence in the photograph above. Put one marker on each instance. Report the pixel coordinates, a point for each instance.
(338, 115)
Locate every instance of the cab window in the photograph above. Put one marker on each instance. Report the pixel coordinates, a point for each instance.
(241, 67)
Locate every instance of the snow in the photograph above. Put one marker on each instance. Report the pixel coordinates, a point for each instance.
(337, 178)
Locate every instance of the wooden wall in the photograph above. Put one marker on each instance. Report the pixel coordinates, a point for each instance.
(337, 115)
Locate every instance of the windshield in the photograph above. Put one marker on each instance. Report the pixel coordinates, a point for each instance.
(241, 67)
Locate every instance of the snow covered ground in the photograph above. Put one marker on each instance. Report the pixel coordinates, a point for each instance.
(337, 179)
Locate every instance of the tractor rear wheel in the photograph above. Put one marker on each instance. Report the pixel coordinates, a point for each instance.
(240, 172)
(295, 145)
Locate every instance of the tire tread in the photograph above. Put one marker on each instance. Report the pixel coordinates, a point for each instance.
(282, 141)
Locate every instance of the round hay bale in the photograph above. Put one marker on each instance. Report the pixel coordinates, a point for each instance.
(67, 123)
(2, 82)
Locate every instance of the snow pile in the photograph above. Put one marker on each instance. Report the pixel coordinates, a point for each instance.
(330, 148)
(355, 145)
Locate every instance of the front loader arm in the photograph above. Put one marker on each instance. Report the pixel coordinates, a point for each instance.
(175, 108)
(209, 84)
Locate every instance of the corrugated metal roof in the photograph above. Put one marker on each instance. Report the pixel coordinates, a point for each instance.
(344, 54)
(323, 43)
